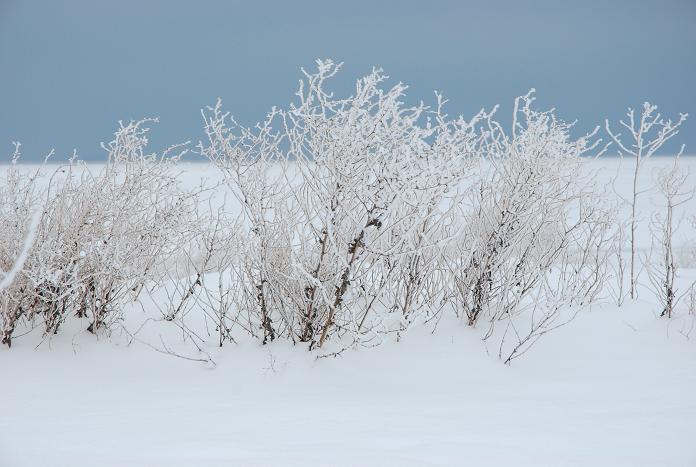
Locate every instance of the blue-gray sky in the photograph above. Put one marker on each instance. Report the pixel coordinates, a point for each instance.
(70, 69)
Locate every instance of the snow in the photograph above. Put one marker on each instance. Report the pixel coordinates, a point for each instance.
(616, 387)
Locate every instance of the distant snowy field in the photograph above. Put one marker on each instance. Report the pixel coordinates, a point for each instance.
(616, 387)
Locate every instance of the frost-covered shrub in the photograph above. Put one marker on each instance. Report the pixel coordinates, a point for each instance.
(102, 236)
(646, 134)
(533, 230)
(663, 272)
(19, 216)
(374, 188)
(344, 202)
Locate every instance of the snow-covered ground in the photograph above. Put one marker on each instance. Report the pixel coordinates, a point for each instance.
(616, 387)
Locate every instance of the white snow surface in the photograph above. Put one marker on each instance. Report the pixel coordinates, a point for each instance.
(616, 387)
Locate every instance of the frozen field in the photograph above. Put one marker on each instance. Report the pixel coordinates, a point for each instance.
(616, 387)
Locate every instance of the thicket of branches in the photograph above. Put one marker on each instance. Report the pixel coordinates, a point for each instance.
(346, 219)
(98, 238)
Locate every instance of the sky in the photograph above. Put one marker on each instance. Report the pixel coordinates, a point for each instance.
(70, 69)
